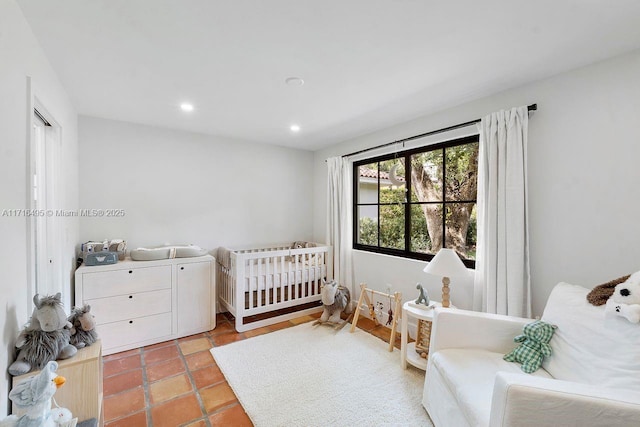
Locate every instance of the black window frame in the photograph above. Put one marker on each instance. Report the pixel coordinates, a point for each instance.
(406, 155)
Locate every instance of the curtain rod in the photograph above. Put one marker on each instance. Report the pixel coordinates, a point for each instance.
(532, 107)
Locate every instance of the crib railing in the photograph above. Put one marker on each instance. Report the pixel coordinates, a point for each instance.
(266, 279)
(226, 285)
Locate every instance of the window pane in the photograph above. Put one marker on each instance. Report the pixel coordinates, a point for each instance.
(420, 241)
(368, 225)
(426, 228)
(460, 229)
(392, 226)
(426, 176)
(368, 183)
(392, 194)
(461, 176)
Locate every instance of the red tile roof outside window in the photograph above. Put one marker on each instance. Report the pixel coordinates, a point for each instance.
(372, 173)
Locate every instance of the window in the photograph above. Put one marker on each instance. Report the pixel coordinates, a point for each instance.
(413, 203)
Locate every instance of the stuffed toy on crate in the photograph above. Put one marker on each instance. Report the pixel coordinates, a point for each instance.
(625, 300)
(33, 396)
(83, 332)
(534, 346)
(45, 338)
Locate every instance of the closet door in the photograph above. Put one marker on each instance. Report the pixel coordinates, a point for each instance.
(193, 290)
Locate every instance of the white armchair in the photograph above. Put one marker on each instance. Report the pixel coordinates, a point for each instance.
(592, 377)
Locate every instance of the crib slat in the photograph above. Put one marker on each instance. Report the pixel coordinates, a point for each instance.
(230, 288)
(259, 294)
(266, 281)
(251, 261)
(309, 275)
(293, 280)
(223, 282)
(267, 275)
(305, 275)
(282, 285)
(274, 277)
(313, 274)
(314, 287)
(314, 280)
(265, 295)
(323, 270)
(231, 280)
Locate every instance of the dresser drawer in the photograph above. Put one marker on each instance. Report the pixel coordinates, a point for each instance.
(118, 282)
(126, 307)
(136, 330)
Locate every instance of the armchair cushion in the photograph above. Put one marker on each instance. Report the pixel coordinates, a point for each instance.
(589, 347)
(525, 400)
(471, 374)
(471, 329)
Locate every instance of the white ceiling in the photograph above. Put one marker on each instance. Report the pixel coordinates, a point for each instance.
(367, 64)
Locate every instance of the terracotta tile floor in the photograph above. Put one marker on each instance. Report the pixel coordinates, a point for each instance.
(177, 383)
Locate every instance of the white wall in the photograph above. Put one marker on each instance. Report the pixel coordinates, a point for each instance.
(22, 57)
(584, 192)
(178, 187)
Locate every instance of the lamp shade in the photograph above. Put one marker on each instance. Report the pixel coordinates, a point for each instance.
(446, 263)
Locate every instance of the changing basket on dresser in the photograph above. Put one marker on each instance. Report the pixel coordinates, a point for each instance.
(138, 303)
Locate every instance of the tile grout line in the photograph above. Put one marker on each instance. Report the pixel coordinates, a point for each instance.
(127, 390)
(144, 390)
(195, 387)
(147, 389)
(237, 402)
(210, 337)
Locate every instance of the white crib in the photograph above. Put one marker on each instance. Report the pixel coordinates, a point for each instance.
(262, 286)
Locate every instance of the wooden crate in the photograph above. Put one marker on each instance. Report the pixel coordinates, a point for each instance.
(82, 392)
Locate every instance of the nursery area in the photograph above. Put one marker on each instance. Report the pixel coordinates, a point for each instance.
(265, 213)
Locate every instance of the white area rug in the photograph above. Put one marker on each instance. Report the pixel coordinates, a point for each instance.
(315, 376)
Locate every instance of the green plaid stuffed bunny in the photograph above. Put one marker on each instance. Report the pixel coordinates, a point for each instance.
(534, 346)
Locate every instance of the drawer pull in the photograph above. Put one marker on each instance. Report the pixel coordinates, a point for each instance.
(130, 271)
(181, 268)
(130, 296)
(130, 321)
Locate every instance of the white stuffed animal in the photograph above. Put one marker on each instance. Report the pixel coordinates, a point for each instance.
(34, 395)
(625, 300)
(61, 416)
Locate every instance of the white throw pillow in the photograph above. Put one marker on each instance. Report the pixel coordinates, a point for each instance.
(589, 347)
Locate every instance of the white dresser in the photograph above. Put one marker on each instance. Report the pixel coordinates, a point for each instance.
(137, 303)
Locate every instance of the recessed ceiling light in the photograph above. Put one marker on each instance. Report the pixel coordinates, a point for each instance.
(294, 128)
(186, 107)
(294, 81)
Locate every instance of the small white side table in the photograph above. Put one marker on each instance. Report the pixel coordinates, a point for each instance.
(408, 350)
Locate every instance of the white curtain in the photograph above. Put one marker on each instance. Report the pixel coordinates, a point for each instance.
(339, 219)
(502, 280)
